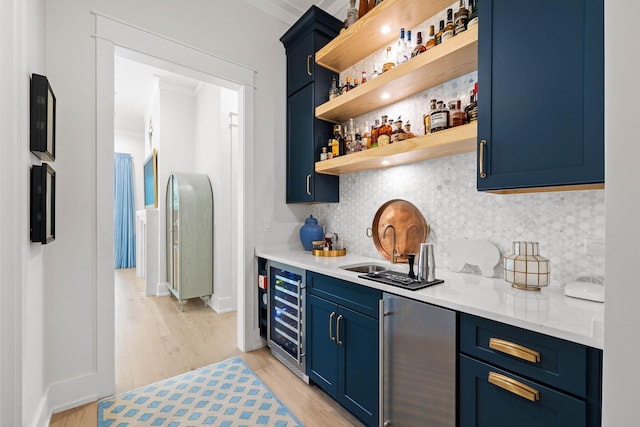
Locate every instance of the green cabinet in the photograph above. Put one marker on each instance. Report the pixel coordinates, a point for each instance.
(343, 343)
(510, 376)
(307, 87)
(541, 94)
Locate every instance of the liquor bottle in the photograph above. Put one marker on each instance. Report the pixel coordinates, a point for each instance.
(439, 33)
(432, 38)
(419, 46)
(400, 58)
(363, 8)
(330, 149)
(333, 90)
(337, 144)
(366, 136)
(456, 115)
(388, 62)
(363, 80)
(355, 82)
(384, 133)
(374, 134)
(352, 13)
(449, 29)
(471, 110)
(408, 129)
(460, 18)
(348, 137)
(408, 46)
(473, 18)
(427, 117)
(375, 71)
(347, 86)
(398, 133)
(439, 118)
(323, 154)
(371, 5)
(358, 140)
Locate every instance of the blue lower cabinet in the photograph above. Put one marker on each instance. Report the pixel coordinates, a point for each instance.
(342, 346)
(491, 397)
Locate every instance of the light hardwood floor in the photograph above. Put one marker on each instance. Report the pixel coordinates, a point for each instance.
(155, 340)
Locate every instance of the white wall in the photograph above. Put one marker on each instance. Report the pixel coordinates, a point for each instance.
(622, 151)
(126, 141)
(71, 265)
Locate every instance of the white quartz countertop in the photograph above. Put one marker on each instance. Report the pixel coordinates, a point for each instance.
(548, 311)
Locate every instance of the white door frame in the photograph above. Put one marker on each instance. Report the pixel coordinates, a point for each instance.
(111, 35)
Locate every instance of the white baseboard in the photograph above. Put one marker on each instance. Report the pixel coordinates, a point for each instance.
(162, 289)
(69, 394)
(221, 305)
(42, 417)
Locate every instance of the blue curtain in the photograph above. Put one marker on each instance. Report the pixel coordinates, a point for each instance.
(124, 212)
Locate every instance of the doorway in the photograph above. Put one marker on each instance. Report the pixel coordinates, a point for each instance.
(116, 39)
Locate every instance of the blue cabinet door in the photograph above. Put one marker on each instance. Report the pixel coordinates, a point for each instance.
(358, 362)
(322, 351)
(300, 155)
(484, 404)
(541, 93)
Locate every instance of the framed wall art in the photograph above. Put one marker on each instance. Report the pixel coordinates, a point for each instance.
(42, 118)
(150, 169)
(43, 203)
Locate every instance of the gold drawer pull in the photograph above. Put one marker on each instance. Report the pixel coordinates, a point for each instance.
(513, 386)
(483, 174)
(514, 350)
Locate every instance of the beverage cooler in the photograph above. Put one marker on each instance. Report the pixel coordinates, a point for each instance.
(287, 316)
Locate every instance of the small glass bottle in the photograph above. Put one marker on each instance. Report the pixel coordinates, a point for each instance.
(399, 133)
(363, 80)
(374, 134)
(407, 127)
(347, 86)
(366, 136)
(388, 62)
(456, 115)
(375, 71)
(460, 18)
(427, 117)
(384, 132)
(323, 154)
(432, 38)
(355, 82)
(449, 30)
(419, 48)
(439, 118)
(333, 90)
(439, 33)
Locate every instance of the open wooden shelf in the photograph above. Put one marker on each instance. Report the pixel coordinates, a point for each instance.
(364, 37)
(458, 140)
(453, 58)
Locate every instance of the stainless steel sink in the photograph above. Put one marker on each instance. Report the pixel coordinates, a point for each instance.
(365, 268)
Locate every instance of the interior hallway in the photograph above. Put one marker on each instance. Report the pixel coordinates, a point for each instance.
(155, 340)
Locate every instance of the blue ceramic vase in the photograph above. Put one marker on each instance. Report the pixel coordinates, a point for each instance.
(309, 232)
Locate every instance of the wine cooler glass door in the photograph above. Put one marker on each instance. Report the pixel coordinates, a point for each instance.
(286, 302)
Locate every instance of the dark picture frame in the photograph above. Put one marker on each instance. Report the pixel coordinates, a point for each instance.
(150, 170)
(43, 204)
(42, 119)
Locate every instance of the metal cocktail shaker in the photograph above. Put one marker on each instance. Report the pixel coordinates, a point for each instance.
(426, 263)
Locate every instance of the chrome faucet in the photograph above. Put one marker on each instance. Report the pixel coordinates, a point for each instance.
(394, 252)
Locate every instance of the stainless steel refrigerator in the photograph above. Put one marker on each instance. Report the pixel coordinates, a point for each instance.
(418, 361)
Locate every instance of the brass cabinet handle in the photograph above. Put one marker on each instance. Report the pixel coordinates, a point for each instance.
(515, 350)
(309, 184)
(483, 174)
(338, 329)
(309, 64)
(513, 386)
(331, 316)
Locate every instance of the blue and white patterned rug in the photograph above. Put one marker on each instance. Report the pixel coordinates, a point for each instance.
(224, 394)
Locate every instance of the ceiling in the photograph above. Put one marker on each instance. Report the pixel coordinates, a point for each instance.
(133, 80)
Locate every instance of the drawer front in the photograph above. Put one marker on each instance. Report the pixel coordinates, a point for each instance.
(489, 398)
(552, 361)
(356, 297)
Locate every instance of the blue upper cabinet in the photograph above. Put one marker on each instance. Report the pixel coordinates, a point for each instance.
(541, 94)
(307, 87)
